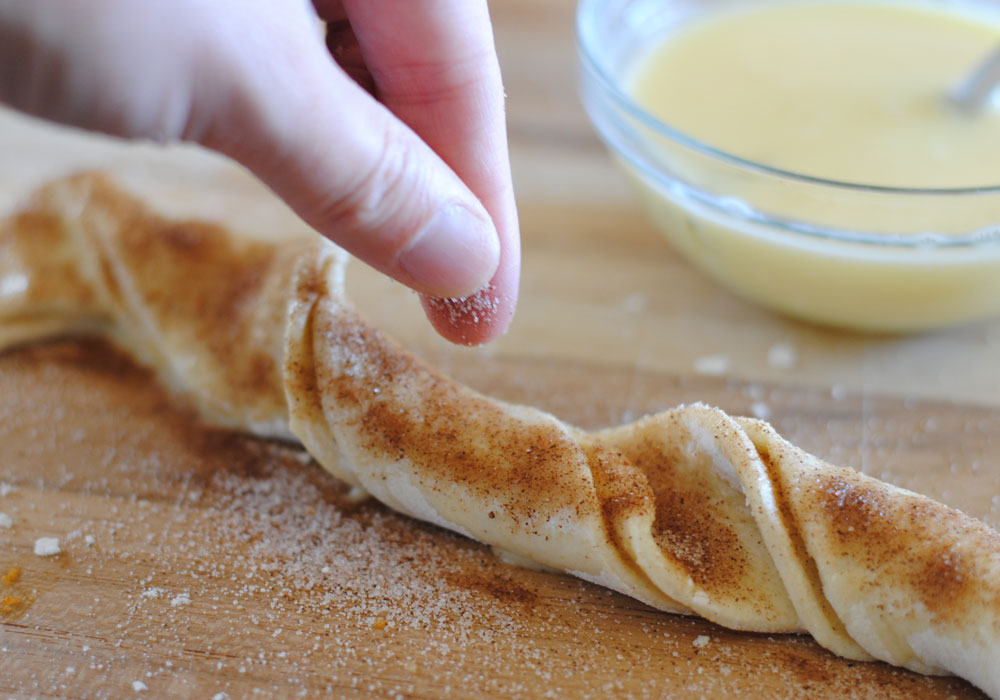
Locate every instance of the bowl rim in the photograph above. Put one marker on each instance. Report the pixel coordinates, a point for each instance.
(586, 9)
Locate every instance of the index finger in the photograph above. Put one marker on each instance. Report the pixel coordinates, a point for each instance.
(435, 67)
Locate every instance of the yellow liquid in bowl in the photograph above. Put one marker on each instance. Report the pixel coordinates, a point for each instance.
(844, 91)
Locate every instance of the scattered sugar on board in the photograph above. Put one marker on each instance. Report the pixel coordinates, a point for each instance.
(713, 365)
(345, 586)
(782, 355)
(6, 521)
(633, 303)
(47, 546)
(370, 566)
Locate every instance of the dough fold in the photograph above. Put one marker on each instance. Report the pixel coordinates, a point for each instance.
(691, 510)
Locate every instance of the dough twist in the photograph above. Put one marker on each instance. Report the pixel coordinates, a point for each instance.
(690, 510)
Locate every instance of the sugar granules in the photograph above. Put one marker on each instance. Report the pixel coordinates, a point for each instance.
(47, 546)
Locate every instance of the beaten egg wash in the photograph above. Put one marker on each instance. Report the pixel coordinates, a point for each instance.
(838, 90)
(848, 92)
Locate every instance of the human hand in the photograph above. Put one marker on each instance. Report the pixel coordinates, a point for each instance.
(416, 184)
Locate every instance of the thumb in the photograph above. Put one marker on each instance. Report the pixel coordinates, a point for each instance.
(354, 172)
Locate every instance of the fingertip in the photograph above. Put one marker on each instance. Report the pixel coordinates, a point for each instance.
(473, 320)
(487, 314)
(454, 255)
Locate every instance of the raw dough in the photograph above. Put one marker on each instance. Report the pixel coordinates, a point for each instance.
(690, 510)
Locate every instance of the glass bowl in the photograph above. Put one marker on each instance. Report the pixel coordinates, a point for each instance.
(838, 253)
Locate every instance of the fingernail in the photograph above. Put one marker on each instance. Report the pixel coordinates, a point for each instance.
(455, 254)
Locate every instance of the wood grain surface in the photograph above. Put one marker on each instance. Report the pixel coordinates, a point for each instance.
(200, 563)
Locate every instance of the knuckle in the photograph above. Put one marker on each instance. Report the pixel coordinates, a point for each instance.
(436, 82)
(379, 193)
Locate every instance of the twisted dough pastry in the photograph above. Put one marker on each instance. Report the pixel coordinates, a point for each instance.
(690, 510)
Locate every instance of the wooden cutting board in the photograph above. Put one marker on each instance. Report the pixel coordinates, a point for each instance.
(196, 562)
